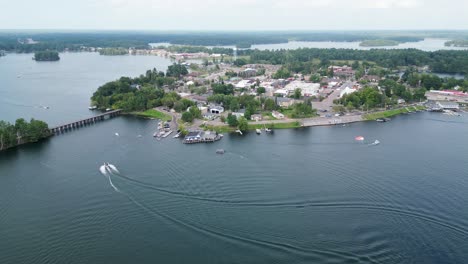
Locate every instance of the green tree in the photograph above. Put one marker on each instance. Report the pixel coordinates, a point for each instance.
(297, 93)
(261, 90)
(232, 120)
(315, 78)
(196, 113)
(243, 125)
(187, 117)
(269, 104)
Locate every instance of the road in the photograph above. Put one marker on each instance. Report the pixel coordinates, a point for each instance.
(327, 103)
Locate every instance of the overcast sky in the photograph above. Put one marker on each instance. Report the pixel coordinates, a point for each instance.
(233, 14)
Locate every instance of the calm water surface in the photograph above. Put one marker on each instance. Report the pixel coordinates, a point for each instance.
(65, 86)
(298, 196)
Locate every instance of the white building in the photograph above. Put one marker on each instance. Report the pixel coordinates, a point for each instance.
(346, 91)
(307, 89)
(217, 109)
(277, 115)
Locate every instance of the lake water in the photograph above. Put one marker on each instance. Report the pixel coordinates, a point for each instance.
(298, 196)
(428, 44)
(26, 86)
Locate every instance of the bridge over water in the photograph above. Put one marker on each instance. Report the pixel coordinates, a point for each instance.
(83, 122)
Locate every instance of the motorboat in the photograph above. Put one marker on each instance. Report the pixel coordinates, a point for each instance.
(258, 131)
(220, 151)
(376, 142)
(268, 130)
(92, 107)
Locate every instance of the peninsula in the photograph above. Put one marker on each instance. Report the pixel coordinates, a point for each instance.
(277, 89)
(22, 132)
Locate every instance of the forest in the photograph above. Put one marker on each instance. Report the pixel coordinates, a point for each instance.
(442, 61)
(46, 55)
(22, 132)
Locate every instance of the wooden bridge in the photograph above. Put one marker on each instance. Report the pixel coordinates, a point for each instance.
(83, 122)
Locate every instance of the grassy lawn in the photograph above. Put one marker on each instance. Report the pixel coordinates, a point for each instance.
(393, 112)
(275, 125)
(154, 114)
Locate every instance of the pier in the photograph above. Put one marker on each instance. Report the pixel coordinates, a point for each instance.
(84, 122)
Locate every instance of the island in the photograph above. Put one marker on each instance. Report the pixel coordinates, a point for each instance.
(22, 132)
(46, 56)
(457, 43)
(379, 43)
(113, 51)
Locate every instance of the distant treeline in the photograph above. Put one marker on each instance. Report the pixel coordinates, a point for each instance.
(457, 43)
(113, 51)
(442, 61)
(46, 55)
(114, 39)
(22, 132)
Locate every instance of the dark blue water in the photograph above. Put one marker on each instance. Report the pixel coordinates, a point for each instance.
(298, 196)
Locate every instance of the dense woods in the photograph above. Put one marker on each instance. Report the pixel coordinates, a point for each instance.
(143, 92)
(46, 56)
(443, 61)
(22, 132)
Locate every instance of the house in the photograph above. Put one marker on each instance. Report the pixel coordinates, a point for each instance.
(277, 115)
(135, 86)
(307, 89)
(447, 105)
(342, 71)
(256, 117)
(281, 92)
(346, 91)
(244, 84)
(371, 78)
(286, 102)
(249, 72)
(216, 109)
(238, 114)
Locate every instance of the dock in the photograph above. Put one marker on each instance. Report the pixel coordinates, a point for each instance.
(194, 137)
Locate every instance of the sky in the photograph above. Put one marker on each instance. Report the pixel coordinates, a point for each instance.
(233, 14)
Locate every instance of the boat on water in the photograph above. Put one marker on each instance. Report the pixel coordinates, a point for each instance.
(92, 107)
(268, 130)
(359, 138)
(376, 142)
(220, 151)
(258, 131)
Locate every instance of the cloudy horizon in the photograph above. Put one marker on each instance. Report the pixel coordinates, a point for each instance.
(240, 15)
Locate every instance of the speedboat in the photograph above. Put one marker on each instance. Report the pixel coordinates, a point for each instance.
(258, 131)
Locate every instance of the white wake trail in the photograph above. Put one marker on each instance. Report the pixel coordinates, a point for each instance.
(113, 168)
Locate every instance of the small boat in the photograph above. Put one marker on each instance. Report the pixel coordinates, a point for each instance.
(238, 131)
(258, 131)
(108, 109)
(359, 138)
(117, 134)
(376, 142)
(380, 120)
(92, 107)
(220, 151)
(268, 130)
